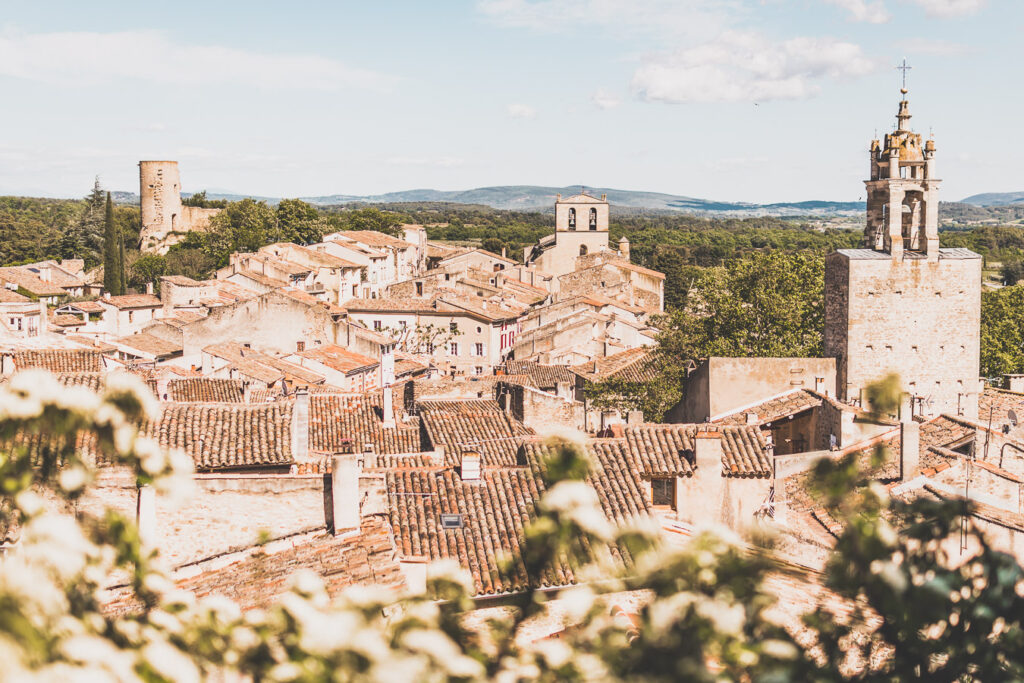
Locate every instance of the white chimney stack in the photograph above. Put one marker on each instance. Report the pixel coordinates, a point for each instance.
(300, 425)
(345, 472)
(388, 407)
(145, 514)
(470, 467)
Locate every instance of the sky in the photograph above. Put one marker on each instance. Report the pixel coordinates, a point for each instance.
(731, 100)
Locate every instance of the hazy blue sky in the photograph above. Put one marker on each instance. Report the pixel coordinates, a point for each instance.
(754, 100)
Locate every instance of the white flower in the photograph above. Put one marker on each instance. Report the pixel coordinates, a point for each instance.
(73, 478)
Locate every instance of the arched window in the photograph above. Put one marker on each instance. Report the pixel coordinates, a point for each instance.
(593, 219)
(572, 219)
(583, 250)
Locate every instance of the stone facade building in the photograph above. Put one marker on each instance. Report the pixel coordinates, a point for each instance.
(901, 304)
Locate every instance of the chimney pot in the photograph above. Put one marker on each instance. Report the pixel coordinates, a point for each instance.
(300, 425)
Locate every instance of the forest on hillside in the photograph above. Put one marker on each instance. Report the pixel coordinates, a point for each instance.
(761, 277)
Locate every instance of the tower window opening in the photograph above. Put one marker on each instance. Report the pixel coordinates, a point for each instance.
(572, 219)
(593, 219)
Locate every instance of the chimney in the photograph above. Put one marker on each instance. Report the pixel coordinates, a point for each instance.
(247, 392)
(1015, 383)
(300, 425)
(162, 389)
(145, 514)
(564, 389)
(906, 408)
(149, 288)
(705, 503)
(750, 418)
(910, 450)
(470, 466)
(414, 570)
(388, 407)
(635, 417)
(106, 295)
(503, 252)
(345, 472)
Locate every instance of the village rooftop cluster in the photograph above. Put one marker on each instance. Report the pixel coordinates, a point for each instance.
(372, 403)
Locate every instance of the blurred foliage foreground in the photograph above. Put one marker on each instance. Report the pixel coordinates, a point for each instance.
(908, 613)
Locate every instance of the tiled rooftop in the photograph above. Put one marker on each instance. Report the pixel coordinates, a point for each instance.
(206, 390)
(220, 436)
(59, 360)
(125, 301)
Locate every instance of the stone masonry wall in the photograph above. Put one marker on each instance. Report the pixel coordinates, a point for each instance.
(917, 318)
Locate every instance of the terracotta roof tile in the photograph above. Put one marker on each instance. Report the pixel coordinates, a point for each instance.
(206, 390)
(219, 436)
(339, 424)
(132, 301)
(544, 376)
(59, 360)
(477, 424)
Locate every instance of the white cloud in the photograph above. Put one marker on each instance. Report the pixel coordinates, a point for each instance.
(950, 8)
(86, 58)
(605, 99)
(739, 67)
(522, 111)
(440, 162)
(662, 17)
(870, 11)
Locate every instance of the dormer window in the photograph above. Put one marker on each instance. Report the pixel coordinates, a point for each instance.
(572, 219)
(593, 219)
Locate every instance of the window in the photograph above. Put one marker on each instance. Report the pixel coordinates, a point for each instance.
(583, 250)
(376, 325)
(402, 324)
(572, 219)
(453, 327)
(355, 290)
(593, 219)
(453, 349)
(478, 350)
(300, 346)
(419, 289)
(478, 370)
(663, 492)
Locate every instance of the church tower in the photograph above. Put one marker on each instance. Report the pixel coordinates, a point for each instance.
(901, 304)
(581, 228)
(903, 193)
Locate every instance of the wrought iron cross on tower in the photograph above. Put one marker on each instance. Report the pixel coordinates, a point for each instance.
(904, 67)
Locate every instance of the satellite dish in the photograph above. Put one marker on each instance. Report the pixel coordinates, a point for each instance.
(1012, 417)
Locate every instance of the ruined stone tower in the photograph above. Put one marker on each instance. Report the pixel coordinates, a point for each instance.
(901, 304)
(164, 219)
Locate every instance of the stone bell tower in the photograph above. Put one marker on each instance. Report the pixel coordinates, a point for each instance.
(901, 304)
(903, 192)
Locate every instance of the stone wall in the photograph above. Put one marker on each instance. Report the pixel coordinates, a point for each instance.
(540, 410)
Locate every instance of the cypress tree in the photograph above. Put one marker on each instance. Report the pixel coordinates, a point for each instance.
(120, 263)
(111, 252)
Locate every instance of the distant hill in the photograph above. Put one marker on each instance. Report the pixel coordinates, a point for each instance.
(540, 198)
(995, 198)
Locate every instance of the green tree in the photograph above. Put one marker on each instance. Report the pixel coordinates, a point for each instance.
(145, 269)
(1002, 331)
(112, 252)
(770, 304)
(199, 199)
(242, 226)
(299, 222)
